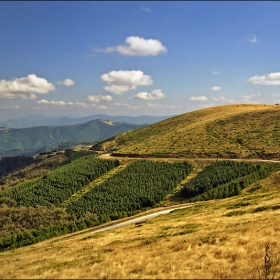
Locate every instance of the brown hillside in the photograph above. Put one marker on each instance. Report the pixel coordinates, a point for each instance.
(232, 131)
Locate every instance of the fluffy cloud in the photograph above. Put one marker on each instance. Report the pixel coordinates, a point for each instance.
(97, 98)
(25, 87)
(199, 98)
(67, 82)
(122, 80)
(154, 95)
(216, 88)
(272, 79)
(136, 46)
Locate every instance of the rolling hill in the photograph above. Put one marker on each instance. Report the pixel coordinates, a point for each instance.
(230, 228)
(230, 131)
(35, 138)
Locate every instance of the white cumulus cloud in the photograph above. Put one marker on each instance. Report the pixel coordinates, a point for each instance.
(25, 88)
(124, 80)
(216, 88)
(154, 95)
(272, 79)
(97, 98)
(137, 46)
(67, 82)
(199, 98)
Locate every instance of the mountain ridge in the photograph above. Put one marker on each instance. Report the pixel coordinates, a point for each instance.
(235, 131)
(35, 138)
(40, 120)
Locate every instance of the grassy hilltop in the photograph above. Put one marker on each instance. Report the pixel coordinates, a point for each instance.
(230, 131)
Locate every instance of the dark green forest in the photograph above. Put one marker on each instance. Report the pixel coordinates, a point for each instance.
(140, 185)
(60, 184)
(225, 178)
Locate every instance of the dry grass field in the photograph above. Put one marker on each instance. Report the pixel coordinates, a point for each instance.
(225, 131)
(220, 239)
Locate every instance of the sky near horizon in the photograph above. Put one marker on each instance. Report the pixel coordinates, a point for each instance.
(136, 58)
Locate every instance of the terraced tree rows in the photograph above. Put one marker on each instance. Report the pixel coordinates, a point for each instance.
(225, 178)
(142, 184)
(60, 184)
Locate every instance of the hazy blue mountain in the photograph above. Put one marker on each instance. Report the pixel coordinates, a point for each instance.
(39, 120)
(35, 138)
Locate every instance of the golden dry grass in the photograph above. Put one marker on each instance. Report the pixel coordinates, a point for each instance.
(225, 131)
(221, 239)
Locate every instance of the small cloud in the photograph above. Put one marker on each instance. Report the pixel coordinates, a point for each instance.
(25, 88)
(216, 88)
(46, 102)
(215, 72)
(136, 46)
(199, 98)
(154, 105)
(272, 79)
(231, 101)
(146, 9)
(122, 81)
(15, 107)
(248, 98)
(122, 104)
(97, 98)
(66, 82)
(253, 39)
(99, 107)
(61, 103)
(221, 98)
(154, 95)
(80, 104)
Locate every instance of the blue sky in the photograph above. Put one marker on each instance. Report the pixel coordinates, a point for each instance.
(136, 58)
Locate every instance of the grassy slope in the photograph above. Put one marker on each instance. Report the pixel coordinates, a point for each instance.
(220, 239)
(228, 131)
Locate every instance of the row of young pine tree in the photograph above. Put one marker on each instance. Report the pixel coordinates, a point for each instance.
(142, 184)
(223, 179)
(60, 184)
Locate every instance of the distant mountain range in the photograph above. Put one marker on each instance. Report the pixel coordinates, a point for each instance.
(14, 141)
(39, 120)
